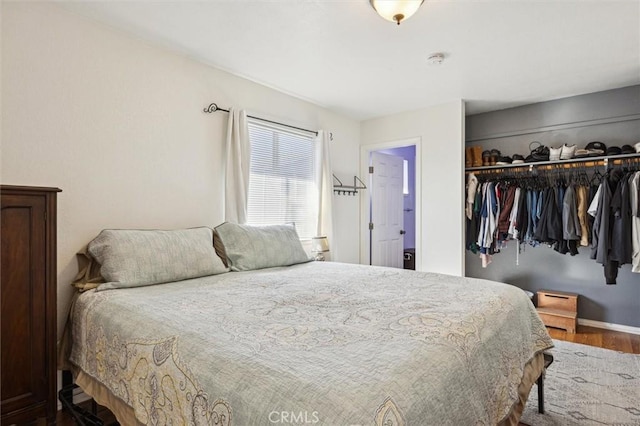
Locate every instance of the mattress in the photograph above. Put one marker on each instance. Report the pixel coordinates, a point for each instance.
(315, 343)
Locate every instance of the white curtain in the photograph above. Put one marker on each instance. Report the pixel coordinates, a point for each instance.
(324, 179)
(238, 165)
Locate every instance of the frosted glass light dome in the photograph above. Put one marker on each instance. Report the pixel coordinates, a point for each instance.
(396, 10)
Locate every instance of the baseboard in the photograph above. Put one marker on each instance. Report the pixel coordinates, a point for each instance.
(609, 326)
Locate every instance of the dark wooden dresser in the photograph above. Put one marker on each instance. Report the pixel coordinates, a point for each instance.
(28, 297)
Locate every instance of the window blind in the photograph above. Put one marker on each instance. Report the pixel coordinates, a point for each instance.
(282, 186)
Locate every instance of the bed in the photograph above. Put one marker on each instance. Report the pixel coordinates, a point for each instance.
(311, 343)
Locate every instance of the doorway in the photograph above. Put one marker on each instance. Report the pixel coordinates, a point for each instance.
(391, 218)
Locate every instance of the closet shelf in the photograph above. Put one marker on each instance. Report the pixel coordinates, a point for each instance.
(597, 161)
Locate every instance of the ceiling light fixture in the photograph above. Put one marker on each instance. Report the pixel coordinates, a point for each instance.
(396, 10)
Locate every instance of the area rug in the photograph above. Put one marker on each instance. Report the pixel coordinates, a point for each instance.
(586, 385)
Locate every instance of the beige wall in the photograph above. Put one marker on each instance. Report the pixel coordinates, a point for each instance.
(439, 132)
(118, 125)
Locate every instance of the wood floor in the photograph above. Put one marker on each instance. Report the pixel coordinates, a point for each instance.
(614, 340)
(607, 339)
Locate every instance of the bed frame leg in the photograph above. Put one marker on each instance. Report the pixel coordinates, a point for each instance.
(67, 389)
(548, 360)
(81, 416)
(541, 394)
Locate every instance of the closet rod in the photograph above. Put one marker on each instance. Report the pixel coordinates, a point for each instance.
(213, 107)
(588, 162)
(555, 166)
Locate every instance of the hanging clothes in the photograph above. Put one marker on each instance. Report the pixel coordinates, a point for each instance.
(571, 230)
(472, 212)
(594, 187)
(488, 223)
(603, 227)
(549, 229)
(506, 206)
(621, 228)
(532, 202)
(634, 198)
(535, 213)
(472, 188)
(581, 195)
(521, 217)
(550, 210)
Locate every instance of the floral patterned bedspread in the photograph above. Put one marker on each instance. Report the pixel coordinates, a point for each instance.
(318, 343)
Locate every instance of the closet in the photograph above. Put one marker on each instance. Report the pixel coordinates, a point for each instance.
(586, 204)
(28, 294)
(611, 117)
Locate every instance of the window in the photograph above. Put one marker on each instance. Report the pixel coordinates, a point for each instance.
(282, 187)
(405, 177)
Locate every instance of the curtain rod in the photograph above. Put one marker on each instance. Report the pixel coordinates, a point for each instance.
(213, 107)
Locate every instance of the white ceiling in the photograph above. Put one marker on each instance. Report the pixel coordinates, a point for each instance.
(343, 56)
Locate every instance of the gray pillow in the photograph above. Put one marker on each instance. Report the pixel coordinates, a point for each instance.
(134, 258)
(257, 247)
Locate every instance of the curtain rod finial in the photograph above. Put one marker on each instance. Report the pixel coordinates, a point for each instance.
(213, 107)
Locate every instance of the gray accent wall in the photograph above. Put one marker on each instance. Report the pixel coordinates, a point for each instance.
(612, 117)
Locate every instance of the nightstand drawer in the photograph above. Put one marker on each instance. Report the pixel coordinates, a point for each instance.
(558, 300)
(558, 309)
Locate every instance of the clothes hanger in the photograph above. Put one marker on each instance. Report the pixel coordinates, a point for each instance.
(596, 176)
(583, 178)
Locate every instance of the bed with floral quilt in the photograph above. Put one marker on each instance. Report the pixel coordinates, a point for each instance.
(308, 343)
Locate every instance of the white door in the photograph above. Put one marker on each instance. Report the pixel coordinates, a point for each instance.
(386, 226)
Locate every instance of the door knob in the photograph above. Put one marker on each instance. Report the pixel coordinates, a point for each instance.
(402, 232)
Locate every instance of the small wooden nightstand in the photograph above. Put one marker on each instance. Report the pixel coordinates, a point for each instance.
(558, 309)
